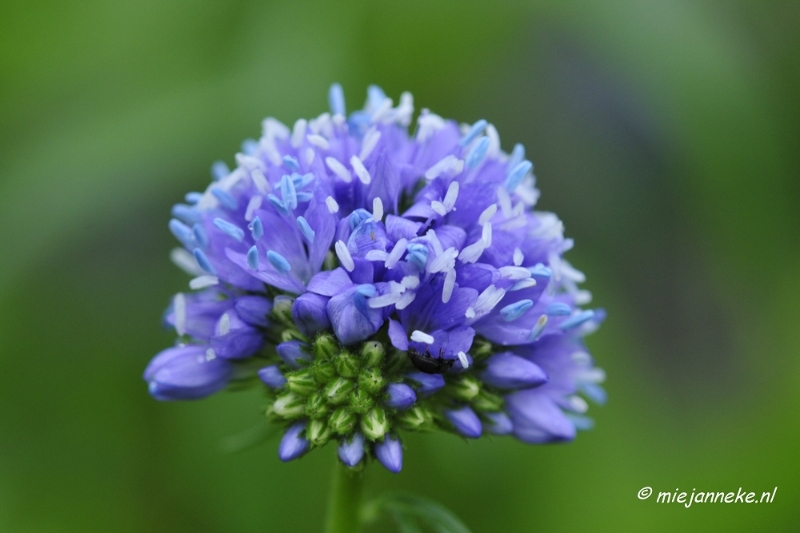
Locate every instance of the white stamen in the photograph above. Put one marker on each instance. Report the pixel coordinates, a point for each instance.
(523, 284)
(201, 282)
(319, 141)
(224, 324)
(211, 354)
(384, 300)
(384, 110)
(360, 170)
(410, 282)
(371, 138)
(333, 207)
(446, 164)
(298, 132)
(444, 261)
(577, 404)
(518, 257)
(434, 240)
(470, 313)
(396, 253)
(463, 358)
(406, 300)
(376, 255)
(486, 235)
(494, 142)
(438, 208)
(377, 209)
(404, 110)
(449, 285)
(260, 181)
(310, 153)
(395, 287)
(186, 262)
(421, 336)
(339, 169)
(471, 253)
(487, 214)
(253, 205)
(515, 273)
(489, 298)
(179, 308)
(451, 196)
(344, 256)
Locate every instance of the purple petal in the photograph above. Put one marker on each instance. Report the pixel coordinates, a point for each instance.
(310, 313)
(428, 383)
(350, 323)
(508, 371)
(499, 423)
(537, 418)
(253, 309)
(398, 335)
(186, 373)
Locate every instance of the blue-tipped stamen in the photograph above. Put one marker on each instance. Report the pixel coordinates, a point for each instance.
(219, 170)
(288, 192)
(203, 261)
(278, 203)
(305, 229)
(301, 180)
(517, 155)
(256, 228)
(538, 328)
(227, 200)
(291, 163)
(279, 262)
(304, 197)
(576, 320)
(336, 100)
(473, 132)
(193, 197)
(249, 146)
(417, 255)
(541, 271)
(515, 310)
(229, 229)
(477, 153)
(186, 213)
(252, 258)
(517, 174)
(558, 309)
(200, 235)
(181, 232)
(363, 292)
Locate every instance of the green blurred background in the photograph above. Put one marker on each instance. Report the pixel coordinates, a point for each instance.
(666, 135)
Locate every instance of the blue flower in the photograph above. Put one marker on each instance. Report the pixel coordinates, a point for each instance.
(378, 281)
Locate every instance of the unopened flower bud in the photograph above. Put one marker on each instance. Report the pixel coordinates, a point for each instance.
(465, 422)
(293, 353)
(374, 424)
(302, 382)
(509, 371)
(318, 432)
(342, 421)
(317, 406)
(346, 364)
(361, 402)
(310, 313)
(351, 451)
(372, 353)
(289, 405)
(323, 372)
(464, 388)
(338, 390)
(325, 347)
(417, 418)
(390, 454)
(293, 445)
(399, 396)
(371, 381)
(272, 377)
(282, 308)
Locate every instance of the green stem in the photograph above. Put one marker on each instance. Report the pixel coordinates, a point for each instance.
(344, 503)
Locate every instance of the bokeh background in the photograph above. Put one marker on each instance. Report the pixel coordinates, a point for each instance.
(666, 135)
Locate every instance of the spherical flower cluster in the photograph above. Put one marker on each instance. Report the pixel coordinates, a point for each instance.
(377, 281)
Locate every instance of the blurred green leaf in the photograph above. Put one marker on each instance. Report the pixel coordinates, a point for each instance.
(405, 508)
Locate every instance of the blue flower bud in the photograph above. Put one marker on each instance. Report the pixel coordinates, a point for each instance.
(509, 371)
(292, 353)
(272, 377)
(465, 421)
(351, 452)
(253, 309)
(390, 454)
(400, 396)
(292, 444)
(427, 383)
(499, 423)
(186, 373)
(310, 313)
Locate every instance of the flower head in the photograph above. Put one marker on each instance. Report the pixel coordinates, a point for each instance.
(379, 281)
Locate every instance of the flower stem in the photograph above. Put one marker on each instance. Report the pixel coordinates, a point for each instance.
(344, 502)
